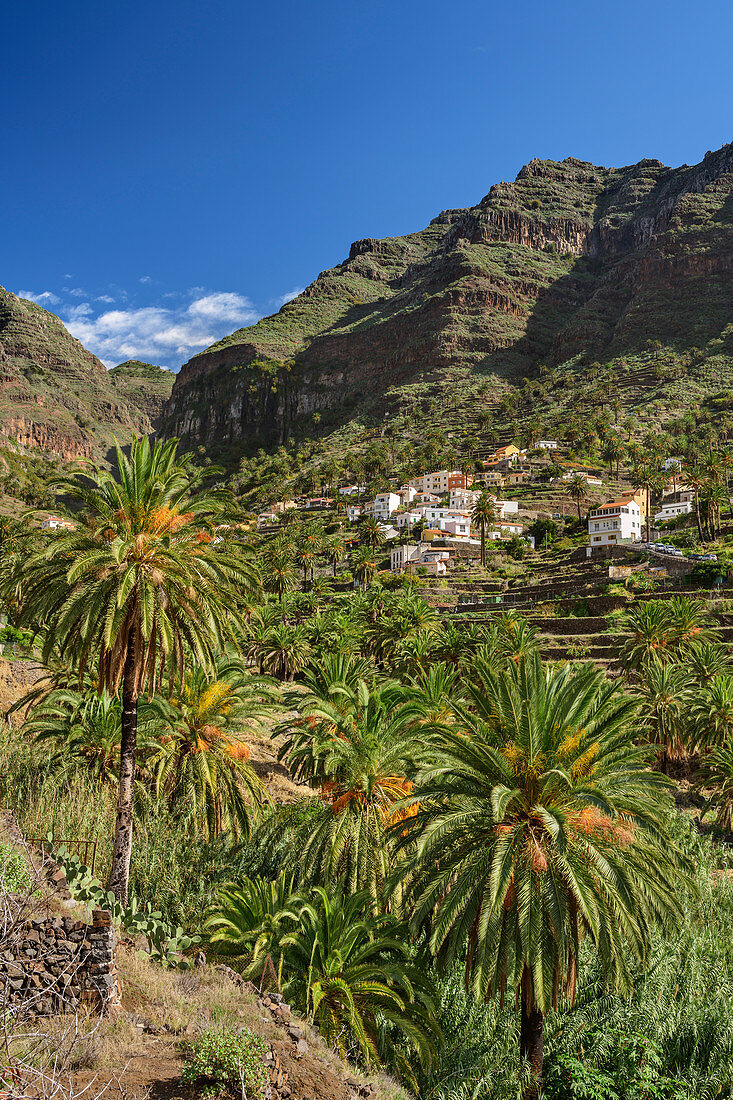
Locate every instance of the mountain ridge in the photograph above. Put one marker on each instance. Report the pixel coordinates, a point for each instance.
(570, 260)
(57, 397)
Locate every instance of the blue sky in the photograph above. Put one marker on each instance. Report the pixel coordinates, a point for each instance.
(173, 170)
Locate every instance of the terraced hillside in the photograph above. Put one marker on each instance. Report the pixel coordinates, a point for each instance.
(570, 267)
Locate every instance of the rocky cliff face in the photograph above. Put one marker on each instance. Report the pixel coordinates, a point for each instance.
(570, 259)
(144, 387)
(58, 397)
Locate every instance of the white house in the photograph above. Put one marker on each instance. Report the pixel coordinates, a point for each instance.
(590, 479)
(383, 505)
(458, 526)
(506, 508)
(547, 444)
(413, 555)
(353, 512)
(407, 494)
(671, 509)
(53, 523)
(407, 519)
(435, 514)
(352, 490)
(511, 528)
(463, 500)
(615, 522)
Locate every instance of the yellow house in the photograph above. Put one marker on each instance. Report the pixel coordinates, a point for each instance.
(510, 451)
(639, 496)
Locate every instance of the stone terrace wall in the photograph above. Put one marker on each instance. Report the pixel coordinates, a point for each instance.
(51, 964)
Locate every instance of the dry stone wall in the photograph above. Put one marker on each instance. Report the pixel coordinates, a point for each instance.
(52, 964)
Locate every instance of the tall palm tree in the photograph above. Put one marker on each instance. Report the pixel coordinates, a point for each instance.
(371, 533)
(577, 488)
(666, 691)
(364, 565)
(541, 826)
(484, 516)
(138, 586)
(278, 573)
(335, 552)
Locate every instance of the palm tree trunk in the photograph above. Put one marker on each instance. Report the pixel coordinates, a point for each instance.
(119, 875)
(483, 545)
(531, 1046)
(697, 516)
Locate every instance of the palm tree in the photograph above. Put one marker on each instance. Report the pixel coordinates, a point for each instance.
(611, 452)
(711, 713)
(345, 968)
(280, 649)
(577, 489)
(707, 660)
(82, 728)
(356, 748)
(335, 552)
(364, 565)
(248, 920)
(371, 533)
(647, 634)
(484, 516)
(201, 763)
(541, 826)
(305, 557)
(278, 573)
(136, 587)
(666, 691)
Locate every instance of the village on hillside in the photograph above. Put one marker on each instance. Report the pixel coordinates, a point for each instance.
(431, 522)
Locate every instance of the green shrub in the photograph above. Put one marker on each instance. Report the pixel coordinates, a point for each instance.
(15, 874)
(227, 1061)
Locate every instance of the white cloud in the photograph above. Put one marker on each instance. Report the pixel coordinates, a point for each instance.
(105, 298)
(160, 334)
(145, 279)
(45, 298)
(289, 296)
(225, 306)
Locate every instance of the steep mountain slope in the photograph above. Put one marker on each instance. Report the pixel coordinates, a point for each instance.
(54, 394)
(570, 263)
(144, 387)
